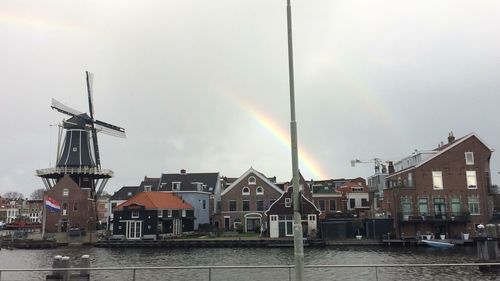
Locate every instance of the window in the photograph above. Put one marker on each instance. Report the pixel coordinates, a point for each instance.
(65, 192)
(405, 205)
(64, 209)
(260, 205)
(245, 191)
(75, 206)
(312, 217)
(455, 206)
(129, 193)
(423, 206)
(410, 180)
(75, 149)
(183, 213)
(251, 180)
(176, 185)
(135, 214)
(321, 205)
(469, 158)
(352, 203)
(169, 213)
(437, 179)
(288, 202)
(204, 204)
(232, 205)
(333, 205)
(471, 179)
(274, 217)
(160, 227)
(246, 205)
(260, 190)
(147, 188)
(474, 205)
(439, 207)
(160, 213)
(364, 202)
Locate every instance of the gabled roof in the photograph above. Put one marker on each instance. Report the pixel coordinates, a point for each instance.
(122, 193)
(156, 200)
(258, 174)
(186, 179)
(153, 182)
(444, 149)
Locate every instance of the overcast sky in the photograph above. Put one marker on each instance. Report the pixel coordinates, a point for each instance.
(203, 85)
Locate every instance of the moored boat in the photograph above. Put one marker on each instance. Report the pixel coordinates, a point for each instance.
(437, 244)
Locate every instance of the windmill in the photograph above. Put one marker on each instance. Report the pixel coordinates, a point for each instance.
(79, 156)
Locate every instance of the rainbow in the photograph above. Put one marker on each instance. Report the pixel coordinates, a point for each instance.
(282, 136)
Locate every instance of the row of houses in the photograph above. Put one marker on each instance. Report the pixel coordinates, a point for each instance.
(19, 209)
(252, 202)
(446, 190)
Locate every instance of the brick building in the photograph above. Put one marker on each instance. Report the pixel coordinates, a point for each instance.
(77, 208)
(443, 191)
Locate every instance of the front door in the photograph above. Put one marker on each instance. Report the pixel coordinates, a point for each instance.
(134, 229)
(64, 225)
(226, 223)
(177, 227)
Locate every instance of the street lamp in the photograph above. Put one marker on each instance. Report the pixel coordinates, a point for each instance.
(298, 243)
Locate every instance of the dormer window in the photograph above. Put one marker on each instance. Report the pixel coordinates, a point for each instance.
(176, 185)
(260, 190)
(245, 191)
(135, 214)
(469, 158)
(147, 188)
(252, 180)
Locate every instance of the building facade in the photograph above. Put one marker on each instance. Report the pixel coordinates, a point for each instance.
(245, 200)
(443, 191)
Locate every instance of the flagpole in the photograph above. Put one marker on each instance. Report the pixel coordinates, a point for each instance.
(44, 218)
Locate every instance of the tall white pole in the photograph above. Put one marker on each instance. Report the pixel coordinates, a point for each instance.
(298, 243)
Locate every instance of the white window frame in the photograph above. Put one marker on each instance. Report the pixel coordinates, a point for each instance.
(176, 185)
(135, 214)
(252, 180)
(65, 192)
(243, 192)
(261, 192)
(160, 213)
(288, 202)
(469, 158)
(471, 179)
(169, 213)
(437, 180)
(474, 200)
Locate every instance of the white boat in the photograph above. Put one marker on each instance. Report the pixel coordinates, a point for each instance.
(437, 244)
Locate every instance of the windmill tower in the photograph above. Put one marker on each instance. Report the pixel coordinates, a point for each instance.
(78, 152)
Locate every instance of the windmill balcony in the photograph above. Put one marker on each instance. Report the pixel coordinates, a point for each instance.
(75, 170)
(434, 217)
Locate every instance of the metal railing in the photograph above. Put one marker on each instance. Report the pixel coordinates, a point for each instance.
(75, 170)
(433, 216)
(209, 269)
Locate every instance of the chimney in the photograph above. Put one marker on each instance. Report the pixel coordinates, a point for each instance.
(390, 167)
(451, 138)
(183, 171)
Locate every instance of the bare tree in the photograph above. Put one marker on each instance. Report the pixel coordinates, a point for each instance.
(37, 194)
(13, 195)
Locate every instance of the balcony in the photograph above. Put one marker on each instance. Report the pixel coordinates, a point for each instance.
(461, 217)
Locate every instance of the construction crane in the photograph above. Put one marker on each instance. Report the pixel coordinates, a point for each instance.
(378, 163)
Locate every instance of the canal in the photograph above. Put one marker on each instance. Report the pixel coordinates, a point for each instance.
(106, 257)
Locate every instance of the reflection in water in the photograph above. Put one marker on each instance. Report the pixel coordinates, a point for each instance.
(101, 257)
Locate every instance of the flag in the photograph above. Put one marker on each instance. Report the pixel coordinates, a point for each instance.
(52, 205)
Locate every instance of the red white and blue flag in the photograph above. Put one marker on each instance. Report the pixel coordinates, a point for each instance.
(52, 205)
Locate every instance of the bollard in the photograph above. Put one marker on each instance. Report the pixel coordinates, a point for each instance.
(56, 264)
(65, 264)
(85, 263)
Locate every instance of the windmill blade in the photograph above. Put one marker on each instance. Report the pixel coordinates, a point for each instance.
(64, 108)
(109, 129)
(90, 82)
